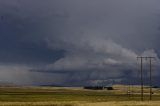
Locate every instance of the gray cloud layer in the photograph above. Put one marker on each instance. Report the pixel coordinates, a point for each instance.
(86, 39)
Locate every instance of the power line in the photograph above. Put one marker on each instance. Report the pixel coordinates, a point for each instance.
(150, 77)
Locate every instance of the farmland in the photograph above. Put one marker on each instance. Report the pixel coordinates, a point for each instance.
(76, 96)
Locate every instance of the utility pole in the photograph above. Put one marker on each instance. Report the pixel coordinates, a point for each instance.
(141, 58)
(150, 76)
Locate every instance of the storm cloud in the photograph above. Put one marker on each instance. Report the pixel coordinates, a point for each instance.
(77, 41)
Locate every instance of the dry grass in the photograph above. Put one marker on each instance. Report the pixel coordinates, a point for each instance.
(124, 103)
(75, 96)
(38, 104)
(113, 103)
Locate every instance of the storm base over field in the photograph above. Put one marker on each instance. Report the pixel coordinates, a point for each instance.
(78, 42)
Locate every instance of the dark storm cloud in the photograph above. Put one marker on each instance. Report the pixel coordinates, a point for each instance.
(78, 39)
(21, 39)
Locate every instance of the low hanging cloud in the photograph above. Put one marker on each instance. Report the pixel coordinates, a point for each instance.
(92, 55)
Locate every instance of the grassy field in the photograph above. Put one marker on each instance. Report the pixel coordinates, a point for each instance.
(75, 96)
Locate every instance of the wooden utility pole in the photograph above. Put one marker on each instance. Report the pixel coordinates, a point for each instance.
(141, 58)
(150, 76)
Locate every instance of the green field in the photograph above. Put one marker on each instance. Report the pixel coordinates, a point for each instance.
(75, 96)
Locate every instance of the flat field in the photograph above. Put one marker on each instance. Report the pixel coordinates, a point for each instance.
(76, 96)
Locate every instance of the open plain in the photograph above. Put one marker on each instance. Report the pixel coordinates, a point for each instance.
(77, 96)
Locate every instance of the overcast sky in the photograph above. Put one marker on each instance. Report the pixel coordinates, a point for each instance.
(77, 42)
